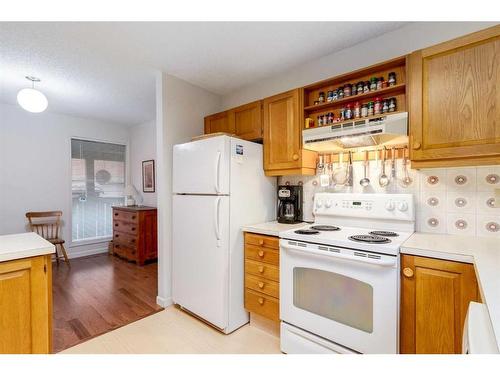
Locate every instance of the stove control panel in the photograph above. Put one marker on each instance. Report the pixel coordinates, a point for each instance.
(382, 206)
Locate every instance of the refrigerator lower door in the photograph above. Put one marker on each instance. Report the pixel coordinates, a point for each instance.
(200, 264)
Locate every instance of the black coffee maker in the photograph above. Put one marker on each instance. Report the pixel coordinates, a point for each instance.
(289, 204)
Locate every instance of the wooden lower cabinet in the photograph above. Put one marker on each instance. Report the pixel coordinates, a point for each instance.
(26, 306)
(262, 275)
(435, 295)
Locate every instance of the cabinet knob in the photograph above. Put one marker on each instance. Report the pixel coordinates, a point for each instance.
(116, 224)
(295, 157)
(133, 228)
(261, 242)
(417, 145)
(133, 217)
(117, 235)
(261, 269)
(261, 253)
(116, 213)
(261, 284)
(261, 300)
(407, 272)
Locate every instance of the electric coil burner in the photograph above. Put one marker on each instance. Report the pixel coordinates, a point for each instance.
(369, 238)
(384, 233)
(306, 231)
(326, 228)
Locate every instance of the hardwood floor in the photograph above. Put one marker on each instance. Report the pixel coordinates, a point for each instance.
(98, 294)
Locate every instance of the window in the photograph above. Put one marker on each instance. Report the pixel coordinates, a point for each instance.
(97, 183)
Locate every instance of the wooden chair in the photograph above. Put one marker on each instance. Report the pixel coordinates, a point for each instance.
(47, 224)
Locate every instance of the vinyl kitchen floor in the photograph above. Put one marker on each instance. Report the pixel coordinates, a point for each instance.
(172, 331)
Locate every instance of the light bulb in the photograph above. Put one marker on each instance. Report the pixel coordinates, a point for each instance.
(32, 100)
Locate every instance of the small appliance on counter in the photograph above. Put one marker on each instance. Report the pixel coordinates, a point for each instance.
(289, 204)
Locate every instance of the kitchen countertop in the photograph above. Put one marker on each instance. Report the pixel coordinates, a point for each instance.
(483, 252)
(23, 245)
(271, 228)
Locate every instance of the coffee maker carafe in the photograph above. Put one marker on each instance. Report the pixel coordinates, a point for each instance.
(289, 204)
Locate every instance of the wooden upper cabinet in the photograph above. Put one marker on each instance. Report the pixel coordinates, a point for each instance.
(246, 120)
(283, 153)
(454, 102)
(219, 122)
(435, 295)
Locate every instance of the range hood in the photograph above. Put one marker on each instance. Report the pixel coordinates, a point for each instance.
(387, 129)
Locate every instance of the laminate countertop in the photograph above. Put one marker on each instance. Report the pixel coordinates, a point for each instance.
(271, 228)
(483, 252)
(23, 245)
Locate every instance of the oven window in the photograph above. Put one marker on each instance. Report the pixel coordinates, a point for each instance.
(334, 296)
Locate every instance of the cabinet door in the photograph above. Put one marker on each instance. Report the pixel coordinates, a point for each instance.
(435, 295)
(25, 306)
(455, 101)
(247, 120)
(218, 122)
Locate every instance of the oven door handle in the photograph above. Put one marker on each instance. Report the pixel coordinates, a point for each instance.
(354, 258)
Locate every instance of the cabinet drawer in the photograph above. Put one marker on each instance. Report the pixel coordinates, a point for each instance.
(260, 240)
(262, 254)
(125, 227)
(261, 304)
(125, 252)
(271, 288)
(130, 217)
(262, 269)
(125, 239)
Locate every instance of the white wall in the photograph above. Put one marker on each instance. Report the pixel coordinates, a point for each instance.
(142, 147)
(35, 168)
(180, 109)
(393, 44)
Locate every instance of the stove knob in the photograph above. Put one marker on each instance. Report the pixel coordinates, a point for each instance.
(389, 206)
(328, 204)
(402, 206)
(318, 203)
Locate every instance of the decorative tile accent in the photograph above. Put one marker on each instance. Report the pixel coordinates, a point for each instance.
(488, 226)
(432, 179)
(463, 224)
(488, 178)
(485, 202)
(460, 201)
(461, 179)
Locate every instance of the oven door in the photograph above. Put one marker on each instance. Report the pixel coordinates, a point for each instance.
(346, 296)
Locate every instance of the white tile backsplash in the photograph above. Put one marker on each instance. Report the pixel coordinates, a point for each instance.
(448, 200)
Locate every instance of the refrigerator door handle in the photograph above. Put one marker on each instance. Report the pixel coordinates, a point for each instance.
(217, 220)
(217, 172)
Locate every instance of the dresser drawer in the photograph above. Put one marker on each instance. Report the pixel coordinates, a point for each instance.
(261, 304)
(124, 251)
(262, 254)
(125, 227)
(131, 217)
(125, 239)
(265, 270)
(261, 240)
(259, 284)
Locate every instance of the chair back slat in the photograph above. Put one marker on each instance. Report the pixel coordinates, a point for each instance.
(45, 224)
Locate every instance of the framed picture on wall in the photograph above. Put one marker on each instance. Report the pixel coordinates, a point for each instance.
(148, 176)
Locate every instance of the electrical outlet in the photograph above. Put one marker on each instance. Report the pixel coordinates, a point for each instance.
(497, 198)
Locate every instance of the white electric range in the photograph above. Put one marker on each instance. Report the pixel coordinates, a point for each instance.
(339, 277)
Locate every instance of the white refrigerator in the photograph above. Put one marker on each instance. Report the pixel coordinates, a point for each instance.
(218, 185)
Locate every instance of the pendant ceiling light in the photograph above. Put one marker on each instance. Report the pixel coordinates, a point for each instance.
(32, 100)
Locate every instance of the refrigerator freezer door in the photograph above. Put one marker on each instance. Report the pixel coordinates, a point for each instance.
(202, 167)
(201, 256)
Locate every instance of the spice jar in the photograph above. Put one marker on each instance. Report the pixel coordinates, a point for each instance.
(377, 107)
(320, 120)
(370, 108)
(342, 114)
(392, 79)
(347, 90)
(364, 110)
(329, 96)
(385, 106)
(357, 110)
(392, 104)
(384, 84)
(380, 82)
(330, 118)
(321, 98)
(366, 86)
(359, 87)
(373, 83)
(340, 92)
(316, 102)
(348, 112)
(334, 97)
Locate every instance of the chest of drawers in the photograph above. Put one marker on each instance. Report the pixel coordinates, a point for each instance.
(134, 233)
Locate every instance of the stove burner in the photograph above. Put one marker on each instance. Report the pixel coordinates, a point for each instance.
(369, 239)
(326, 228)
(384, 233)
(307, 231)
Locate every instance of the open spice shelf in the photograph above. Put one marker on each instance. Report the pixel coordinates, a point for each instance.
(354, 120)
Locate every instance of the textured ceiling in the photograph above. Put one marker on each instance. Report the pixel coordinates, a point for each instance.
(106, 70)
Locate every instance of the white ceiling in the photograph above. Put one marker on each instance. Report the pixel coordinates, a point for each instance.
(106, 70)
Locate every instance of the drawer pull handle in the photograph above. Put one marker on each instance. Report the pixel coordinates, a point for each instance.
(261, 242)
(407, 272)
(133, 217)
(261, 301)
(261, 269)
(261, 253)
(117, 235)
(133, 228)
(261, 284)
(116, 213)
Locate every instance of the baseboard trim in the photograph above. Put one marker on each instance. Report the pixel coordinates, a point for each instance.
(164, 302)
(74, 252)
